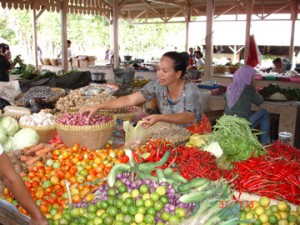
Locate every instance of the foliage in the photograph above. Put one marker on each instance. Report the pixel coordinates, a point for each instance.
(89, 34)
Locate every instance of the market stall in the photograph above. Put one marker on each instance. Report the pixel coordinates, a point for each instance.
(78, 174)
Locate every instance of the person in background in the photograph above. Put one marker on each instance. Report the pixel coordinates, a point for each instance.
(239, 97)
(191, 56)
(107, 53)
(277, 66)
(69, 51)
(177, 97)
(199, 59)
(6, 63)
(15, 184)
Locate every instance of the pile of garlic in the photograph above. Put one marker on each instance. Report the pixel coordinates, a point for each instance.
(37, 119)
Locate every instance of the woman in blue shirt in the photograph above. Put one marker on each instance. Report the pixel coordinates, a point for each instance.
(177, 97)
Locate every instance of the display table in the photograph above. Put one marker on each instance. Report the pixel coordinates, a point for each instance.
(289, 114)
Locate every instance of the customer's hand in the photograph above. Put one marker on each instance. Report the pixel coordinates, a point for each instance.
(41, 221)
(90, 109)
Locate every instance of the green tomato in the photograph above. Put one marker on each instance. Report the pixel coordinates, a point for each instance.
(128, 218)
(118, 203)
(108, 220)
(112, 211)
(164, 199)
(174, 220)
(92, 208)
(158, 205)
(104, 204)
(180, 212)
(154, 196)
(139, 202)
(165, 216)
(125, 209)
(161, 190)
(133, 210)
(75, 212)
(135, 193)
(129, 201)
(142, 209)
(148, 203)
(97, 220)
(138, 218)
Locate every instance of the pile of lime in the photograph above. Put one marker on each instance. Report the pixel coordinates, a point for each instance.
(265, 213)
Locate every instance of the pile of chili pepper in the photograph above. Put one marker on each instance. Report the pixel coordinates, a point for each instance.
(275, 175)
(191, 162)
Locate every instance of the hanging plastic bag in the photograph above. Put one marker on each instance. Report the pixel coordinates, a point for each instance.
(135, 135)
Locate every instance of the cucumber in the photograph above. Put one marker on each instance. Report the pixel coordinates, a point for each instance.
(192, 184)
(116, 169)
(196, 196)
(196, 208)
(203, 186)
(178, 178)
(151, 166)
(168, 171)
(160, 175)
(145, 176)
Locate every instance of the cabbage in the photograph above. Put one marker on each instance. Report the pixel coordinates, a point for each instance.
(3, 136)
(10, 125)
(8, 145)
(25, 138)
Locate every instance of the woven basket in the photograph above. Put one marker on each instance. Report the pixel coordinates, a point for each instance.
(46, 61)
(232, 69)
(122, 114)
(220, 69)
(93, 137)
(54, 62)
(60, 91)
(46, 133)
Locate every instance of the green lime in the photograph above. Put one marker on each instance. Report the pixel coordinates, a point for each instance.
(180, 212)
(148, 203)
(111, 192)
(142, 209)
(108, 220)
(135, 193)
(273, 219)
(161, 190)
(120, 217)
(154, 196)
(112, 211)
(138, 218)
(151, 211)
(129, 201)
(90, 215)
(149, 219)
(128, 218)
(111, 200)
(133, 210)
(75, 212)
(125, 209)
(165, 216)
(118, 203)
(83, 220)
(122, 188)
(118, 183)
(139, 202)
(104, 204)
(92, 208)
(144, 188)
(158, 205)
(174, 220)
(164, 199)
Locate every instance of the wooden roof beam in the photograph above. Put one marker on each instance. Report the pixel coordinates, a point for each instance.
(153, 10)
(273, 12)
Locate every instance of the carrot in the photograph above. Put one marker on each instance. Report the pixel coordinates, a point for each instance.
(33, 160)
(43, 151)
(33, 149)
(24, 158)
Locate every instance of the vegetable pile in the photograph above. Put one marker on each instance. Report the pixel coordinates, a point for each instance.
(275, 175)
(82, 119)
(237, 140)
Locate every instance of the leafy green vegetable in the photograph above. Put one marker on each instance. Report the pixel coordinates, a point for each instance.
(25, 138)
(10, 125)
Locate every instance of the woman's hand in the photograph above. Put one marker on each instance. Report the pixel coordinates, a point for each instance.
(148, 121)
(90, 109)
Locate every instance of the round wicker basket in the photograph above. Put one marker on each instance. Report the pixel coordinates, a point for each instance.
(46, 133)
(220, 69)
(122, 114)
(91, 136)
(60, 92)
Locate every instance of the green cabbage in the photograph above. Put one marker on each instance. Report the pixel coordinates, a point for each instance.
(8, 145)
(3, 136)
(25, 138)
(10, 125)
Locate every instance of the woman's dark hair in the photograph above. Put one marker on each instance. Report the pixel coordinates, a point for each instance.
(181, 61)
(4, 47)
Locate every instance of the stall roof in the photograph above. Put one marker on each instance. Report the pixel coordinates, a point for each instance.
(165, 10)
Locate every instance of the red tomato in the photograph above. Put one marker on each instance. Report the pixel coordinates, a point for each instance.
(60, 173)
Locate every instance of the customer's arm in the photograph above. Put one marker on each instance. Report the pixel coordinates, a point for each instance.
(15, 184)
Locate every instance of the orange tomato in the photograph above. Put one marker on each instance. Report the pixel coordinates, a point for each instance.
(76, 198)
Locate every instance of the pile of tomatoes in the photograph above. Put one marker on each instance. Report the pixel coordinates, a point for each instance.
(79, 166)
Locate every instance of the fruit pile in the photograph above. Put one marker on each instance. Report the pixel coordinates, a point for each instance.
(264, 211)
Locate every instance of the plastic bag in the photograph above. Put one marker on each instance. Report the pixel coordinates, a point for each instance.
(9, 90)
(135, 135)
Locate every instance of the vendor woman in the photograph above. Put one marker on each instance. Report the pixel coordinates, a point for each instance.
(177, 98)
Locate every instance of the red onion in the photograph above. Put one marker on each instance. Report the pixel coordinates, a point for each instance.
(82, 119)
